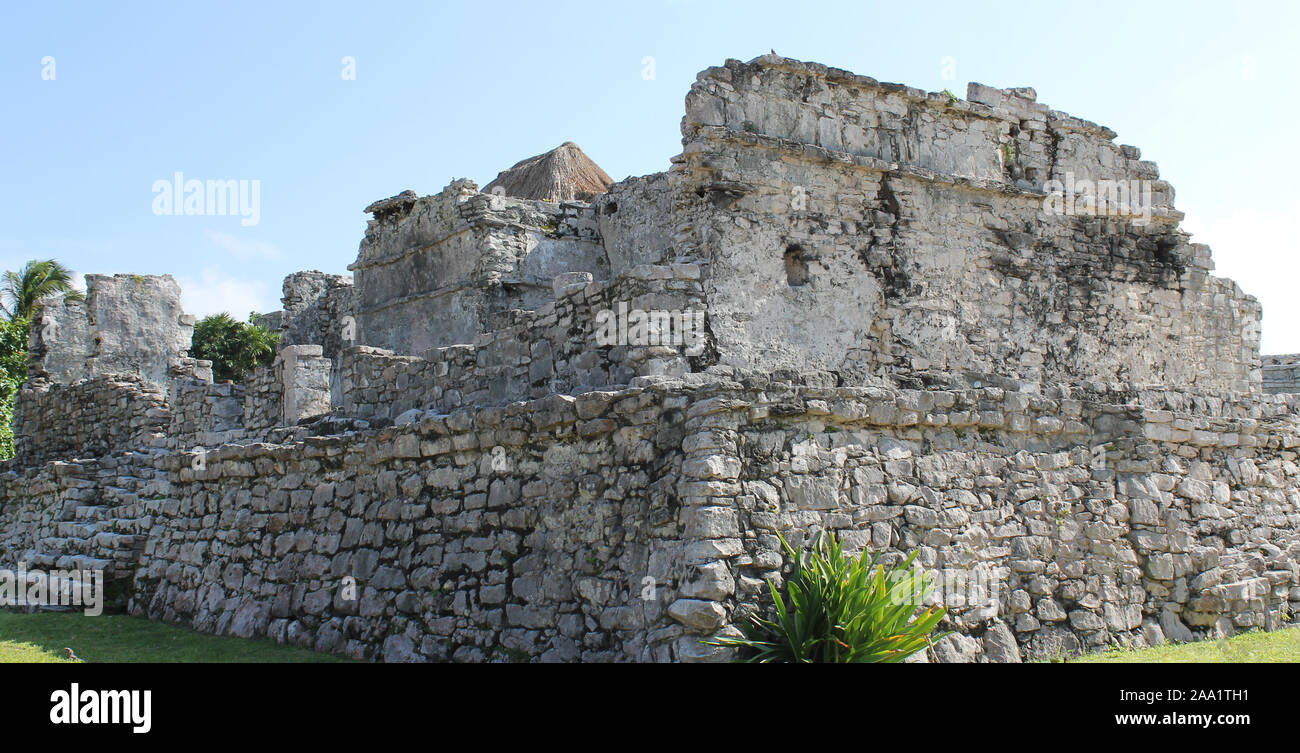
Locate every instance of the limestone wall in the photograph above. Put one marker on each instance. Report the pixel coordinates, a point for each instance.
(206, 415)
(530, 530)
(553, 349)
(294, 387)
(317, 307)
(88, 418)
(1281, 373)
(637, 222)
(433, 271)
(495, 534)
(127, 325)
(63, 516)
(870, 228)
(1084, 521)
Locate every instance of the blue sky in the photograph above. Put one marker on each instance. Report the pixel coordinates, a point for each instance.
(255, 91)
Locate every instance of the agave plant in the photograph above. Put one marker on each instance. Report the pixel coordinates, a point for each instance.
(842, 609)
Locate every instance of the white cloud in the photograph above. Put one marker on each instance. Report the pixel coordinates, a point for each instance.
(214, 291)
(1261, 252)
(243, 248)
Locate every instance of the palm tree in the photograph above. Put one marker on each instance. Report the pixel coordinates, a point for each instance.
(233, 347)
(21, 291)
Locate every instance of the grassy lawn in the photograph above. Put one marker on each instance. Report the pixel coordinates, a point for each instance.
(1256, 647)
(41, 637)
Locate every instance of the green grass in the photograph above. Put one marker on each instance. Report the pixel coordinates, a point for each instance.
(1248, 648)
(41, 637)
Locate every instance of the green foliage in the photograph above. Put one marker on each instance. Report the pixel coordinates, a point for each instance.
(234, 348)
(841, 609)
(13, 372)
(952, 98)
(20, 291)
(20, 294)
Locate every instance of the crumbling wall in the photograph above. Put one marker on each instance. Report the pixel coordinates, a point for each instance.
(637, 222)
(433, 271)
(77, 516)
(553, 349)
(840, 233)
(318, 310)
(293, 388)
(871, 228)
(205, 414)
(1281, 373)
(127, 325)
(633, 524)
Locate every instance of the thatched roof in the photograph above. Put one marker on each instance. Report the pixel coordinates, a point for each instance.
(562, 174)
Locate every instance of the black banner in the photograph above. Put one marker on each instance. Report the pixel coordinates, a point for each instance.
(337, 703)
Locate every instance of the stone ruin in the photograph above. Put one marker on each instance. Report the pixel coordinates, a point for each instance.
(897, 341)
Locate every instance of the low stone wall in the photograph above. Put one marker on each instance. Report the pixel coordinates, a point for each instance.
(632, 524)
(88, 418)
(205, 415)
(1054, 525)
(495, 534)
(869, 229)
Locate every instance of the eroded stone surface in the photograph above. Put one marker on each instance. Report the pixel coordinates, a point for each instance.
(1063, 416)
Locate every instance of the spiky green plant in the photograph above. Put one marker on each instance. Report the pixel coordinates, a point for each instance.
(842, 609)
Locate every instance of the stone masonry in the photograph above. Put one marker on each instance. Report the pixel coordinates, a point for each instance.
(904, 338)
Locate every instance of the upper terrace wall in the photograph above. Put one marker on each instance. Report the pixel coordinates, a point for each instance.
(553, 349)
(434, 271)
(128, 325)
(90, 418)
(1281, 373)
(870, 228)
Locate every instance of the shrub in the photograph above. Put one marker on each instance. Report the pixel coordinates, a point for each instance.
(233, 347)
(841, 609)
(13, 373)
